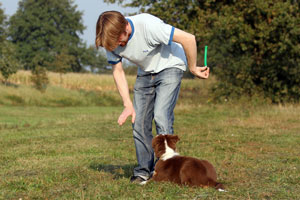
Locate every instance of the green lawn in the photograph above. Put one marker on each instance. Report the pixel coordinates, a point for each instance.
(81, 152)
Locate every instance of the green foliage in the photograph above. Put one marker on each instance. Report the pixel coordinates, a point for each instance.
(94, 59)
(253, 45)
(257, 50)
(8, 62)
(2, 25)
(46, 27)
(62, 63)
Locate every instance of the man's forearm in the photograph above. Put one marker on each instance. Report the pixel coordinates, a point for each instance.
(189, 45)
(121, 83)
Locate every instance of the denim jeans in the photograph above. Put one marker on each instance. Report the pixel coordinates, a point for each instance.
(155, 97)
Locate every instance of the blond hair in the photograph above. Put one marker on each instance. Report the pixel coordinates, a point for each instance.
(109, 27)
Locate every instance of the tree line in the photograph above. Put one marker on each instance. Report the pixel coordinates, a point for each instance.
(253, 45)
(45, 35)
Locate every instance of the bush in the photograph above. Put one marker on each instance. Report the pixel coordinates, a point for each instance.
(8, 62)
(40, 79)
(256, 50)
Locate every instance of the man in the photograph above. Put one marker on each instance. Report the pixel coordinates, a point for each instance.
(161, 53)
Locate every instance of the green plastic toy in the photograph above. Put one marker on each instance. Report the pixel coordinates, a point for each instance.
(205, 56)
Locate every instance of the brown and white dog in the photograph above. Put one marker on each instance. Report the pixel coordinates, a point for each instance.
(181, 169)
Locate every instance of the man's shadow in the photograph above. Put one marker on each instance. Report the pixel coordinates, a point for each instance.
(118, 171)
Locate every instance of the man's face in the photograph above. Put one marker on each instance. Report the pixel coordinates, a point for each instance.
(123, 39)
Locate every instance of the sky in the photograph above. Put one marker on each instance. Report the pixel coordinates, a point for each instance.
(91, 10)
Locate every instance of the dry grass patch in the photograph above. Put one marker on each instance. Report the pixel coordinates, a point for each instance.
(74, 81)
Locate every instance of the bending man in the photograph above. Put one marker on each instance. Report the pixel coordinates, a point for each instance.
(161, 53)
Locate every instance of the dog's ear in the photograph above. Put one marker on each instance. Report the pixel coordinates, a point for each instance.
(174, 138)
(153, 143)
(155, 140)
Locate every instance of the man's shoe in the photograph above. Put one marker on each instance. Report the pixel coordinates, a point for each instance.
(138, 180)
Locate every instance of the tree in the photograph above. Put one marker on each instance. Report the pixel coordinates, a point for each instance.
(2, 26)
(62, 63)
(39, 75)
(253, 45)
(46, 27)
(94, 59)
(257, 50)
(8, 62)
(40, 79)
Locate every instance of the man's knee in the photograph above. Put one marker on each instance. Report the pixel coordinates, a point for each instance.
(162, 123)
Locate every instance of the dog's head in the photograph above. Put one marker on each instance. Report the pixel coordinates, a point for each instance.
(160, 141)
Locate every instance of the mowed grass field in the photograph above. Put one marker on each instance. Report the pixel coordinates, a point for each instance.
(53, 148)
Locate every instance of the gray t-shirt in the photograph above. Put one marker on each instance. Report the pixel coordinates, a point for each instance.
(150, 45)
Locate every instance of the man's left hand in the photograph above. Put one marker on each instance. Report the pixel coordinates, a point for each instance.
(201, 72)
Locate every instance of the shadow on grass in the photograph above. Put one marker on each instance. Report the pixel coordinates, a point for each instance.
(118, 171)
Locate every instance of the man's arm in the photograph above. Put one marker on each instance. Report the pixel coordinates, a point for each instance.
(189, 45)
(121, 82)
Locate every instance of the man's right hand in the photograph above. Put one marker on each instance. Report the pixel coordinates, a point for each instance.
(128, 110)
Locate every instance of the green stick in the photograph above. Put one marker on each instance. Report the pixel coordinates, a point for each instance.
(205, 56)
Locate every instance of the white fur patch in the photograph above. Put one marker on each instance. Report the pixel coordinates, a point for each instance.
(143, 183)
(221, 190)
(169, 152)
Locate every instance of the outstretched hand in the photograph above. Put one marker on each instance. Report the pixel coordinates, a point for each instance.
(201, 72)
(125, 114)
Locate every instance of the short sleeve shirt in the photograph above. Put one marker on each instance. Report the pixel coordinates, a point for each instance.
(150, 45)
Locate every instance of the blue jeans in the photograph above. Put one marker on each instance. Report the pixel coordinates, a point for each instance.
(155, 97)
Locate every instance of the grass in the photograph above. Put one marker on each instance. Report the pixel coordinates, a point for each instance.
(55, 96)
(54, 150)
(75, 81)
(81, 153)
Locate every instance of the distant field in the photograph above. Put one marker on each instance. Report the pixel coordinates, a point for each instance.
(77, 89)
(66, 144)
(95, 82)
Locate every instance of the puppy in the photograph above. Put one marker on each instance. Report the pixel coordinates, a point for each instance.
(181, 169)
